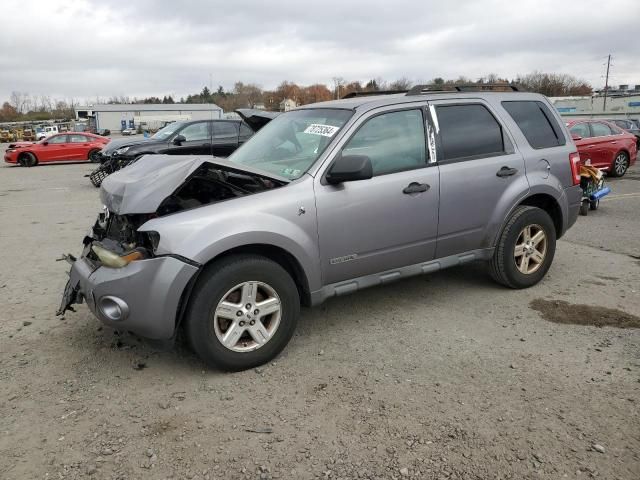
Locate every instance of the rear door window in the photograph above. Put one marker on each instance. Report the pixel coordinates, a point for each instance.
(581, 130)
(225, 130)
(536, 122)
(78, 139)
(600, 129)
(469, 131)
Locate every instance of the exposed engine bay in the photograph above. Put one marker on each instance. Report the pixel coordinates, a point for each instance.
(210, 184)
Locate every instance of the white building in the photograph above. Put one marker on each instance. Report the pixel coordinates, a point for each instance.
(120, 116)
(621, 103)
(287, 104)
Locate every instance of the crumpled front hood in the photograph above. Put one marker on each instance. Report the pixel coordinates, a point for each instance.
(142, 187)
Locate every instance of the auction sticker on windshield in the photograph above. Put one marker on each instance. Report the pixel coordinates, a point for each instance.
(324, 130)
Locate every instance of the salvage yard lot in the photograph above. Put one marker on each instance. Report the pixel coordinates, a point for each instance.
(441, 376)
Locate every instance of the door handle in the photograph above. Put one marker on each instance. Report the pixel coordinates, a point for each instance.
(415, 187)
(506, 172)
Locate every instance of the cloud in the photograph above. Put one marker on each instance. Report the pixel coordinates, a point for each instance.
(83, 49)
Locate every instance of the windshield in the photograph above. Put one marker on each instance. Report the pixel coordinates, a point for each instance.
(166, 132)
(288, 145)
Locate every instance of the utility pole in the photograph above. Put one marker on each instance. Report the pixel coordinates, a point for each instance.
(606, 84)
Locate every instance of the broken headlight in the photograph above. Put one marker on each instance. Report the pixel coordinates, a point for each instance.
(113, 260)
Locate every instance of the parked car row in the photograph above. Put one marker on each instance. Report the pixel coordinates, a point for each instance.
(325, 200)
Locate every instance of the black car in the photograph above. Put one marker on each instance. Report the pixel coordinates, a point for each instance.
(219, 138)
(631, 126)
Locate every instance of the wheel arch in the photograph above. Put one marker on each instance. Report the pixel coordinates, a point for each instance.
(28, 151)
(277, 254)
(280, 256)
(550, 205)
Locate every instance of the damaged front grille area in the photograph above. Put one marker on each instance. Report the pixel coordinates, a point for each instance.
(119, 234)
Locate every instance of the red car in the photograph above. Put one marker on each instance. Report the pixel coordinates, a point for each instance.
(63, 147)
(606, 145)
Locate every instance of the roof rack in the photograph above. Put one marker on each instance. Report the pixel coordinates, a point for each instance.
(372, 93)
(465, 87)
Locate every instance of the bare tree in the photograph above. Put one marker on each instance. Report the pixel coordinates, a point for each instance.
(401, 84)
(20, 101)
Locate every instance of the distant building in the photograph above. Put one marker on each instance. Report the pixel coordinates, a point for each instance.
(259, 106)
(622, 102)
(117, 117)
(287, 104)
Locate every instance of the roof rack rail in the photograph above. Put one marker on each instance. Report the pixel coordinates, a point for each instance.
(372, 93)
(465, 87)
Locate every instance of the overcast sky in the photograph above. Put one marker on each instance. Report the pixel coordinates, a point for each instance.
(82, 49)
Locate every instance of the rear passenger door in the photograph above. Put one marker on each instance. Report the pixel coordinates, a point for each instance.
(78, 146)
(605, 145)
(480, 174)
(225, 138)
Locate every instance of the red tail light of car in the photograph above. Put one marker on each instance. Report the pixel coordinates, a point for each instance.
(574, 161)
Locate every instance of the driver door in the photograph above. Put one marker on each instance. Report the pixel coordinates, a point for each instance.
(56, 149)
(197, 140)
(388, 221)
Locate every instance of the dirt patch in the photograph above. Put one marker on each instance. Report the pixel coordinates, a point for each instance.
(559, 311)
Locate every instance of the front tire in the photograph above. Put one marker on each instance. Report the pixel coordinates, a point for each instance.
(94, 156)
(525, 248)
(27, 159)
(243, 312)
(620, 165)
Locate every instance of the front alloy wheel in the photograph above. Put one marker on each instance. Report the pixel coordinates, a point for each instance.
(243, 312)
(247, 317)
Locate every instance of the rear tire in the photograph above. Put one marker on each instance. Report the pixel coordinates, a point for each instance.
(525, 248)
(27, 159)
(594, 204)
(219, 296)
(620, 165)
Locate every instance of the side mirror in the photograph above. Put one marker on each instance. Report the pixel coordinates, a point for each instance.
(576, 137)
(349, 168)
(45, 143)
(179, 139)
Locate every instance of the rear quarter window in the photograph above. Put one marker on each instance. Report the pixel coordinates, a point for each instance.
(536, 122)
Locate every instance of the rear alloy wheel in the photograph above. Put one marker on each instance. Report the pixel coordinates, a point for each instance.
(94, 156)
(620, 165)
(27, 159)
(525, 248)
(242, 313)
(531, 249)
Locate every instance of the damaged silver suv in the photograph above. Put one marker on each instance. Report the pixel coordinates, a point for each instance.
(325, 200)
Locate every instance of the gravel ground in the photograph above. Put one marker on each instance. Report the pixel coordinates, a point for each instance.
(441, 376)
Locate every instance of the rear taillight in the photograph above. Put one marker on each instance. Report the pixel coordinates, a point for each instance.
(574, 161)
